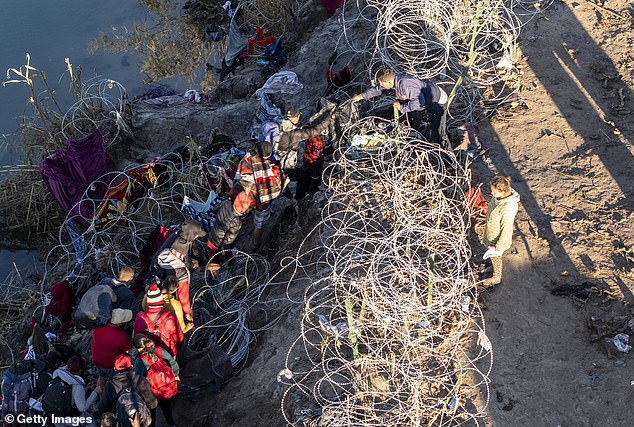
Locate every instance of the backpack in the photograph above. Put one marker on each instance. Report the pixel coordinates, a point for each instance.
(16, 388)
(40, 377)
(58, 398)
(95, 307)
(160, 376)
(155, 329)
(478, 204)
(129, 405)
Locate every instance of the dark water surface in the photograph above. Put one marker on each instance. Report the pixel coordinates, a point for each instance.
(52, 30)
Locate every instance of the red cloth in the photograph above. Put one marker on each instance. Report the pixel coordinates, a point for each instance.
(62, 301)
(314, 153)
(109, 342)
(183, 296)
(161, 326)
(331, 6)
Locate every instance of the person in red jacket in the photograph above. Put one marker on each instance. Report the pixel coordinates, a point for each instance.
(110, 341)
(158, 324)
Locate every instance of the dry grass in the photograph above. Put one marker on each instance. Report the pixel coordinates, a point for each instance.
(26, 205)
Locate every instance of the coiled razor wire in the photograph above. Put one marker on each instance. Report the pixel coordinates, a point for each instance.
(102, 105)
(467, 44)
(108, 246)
(389, 326)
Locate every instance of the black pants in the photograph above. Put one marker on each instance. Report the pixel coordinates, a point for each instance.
(430, 122)
(308, 182)
(166, 408)
(432, 125)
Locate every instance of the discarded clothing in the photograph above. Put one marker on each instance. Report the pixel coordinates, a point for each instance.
(195, 97)
(236, 42)
(267, 112)
(285, 82)
(202, 212)
(583, 291)
(78, 242)
(134, 183)
(68, 174)
(218, 173)
(331, 5)
(367, 141)
(62, 301)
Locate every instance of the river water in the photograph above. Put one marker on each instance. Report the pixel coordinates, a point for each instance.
(50, 31)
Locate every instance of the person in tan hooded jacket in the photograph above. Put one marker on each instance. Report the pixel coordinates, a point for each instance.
(498, 226)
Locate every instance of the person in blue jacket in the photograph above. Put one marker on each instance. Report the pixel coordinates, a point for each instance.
(413, 98)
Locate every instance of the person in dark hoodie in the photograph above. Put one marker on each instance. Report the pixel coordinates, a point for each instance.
(498, 225)
(285, 137)
(121, 288)
(182, 256)
(124, 378)
(413, 98)
(228, 223)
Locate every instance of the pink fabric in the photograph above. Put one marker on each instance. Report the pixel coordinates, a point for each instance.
(69, 173)
(331, 6)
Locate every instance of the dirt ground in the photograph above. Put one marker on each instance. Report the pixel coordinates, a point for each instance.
(570, 155)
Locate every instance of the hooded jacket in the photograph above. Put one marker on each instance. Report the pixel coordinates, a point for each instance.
(498, 225)
(78, 389)
(227, 226)
(179, 254)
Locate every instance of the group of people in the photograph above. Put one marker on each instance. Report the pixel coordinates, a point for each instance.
(423, 106)
(134, 351)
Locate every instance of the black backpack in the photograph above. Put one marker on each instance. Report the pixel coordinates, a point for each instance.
(58, 398)
(129, 405)
(40, 378)
(16, 388)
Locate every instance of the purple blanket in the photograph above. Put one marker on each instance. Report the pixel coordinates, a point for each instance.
(69, 173)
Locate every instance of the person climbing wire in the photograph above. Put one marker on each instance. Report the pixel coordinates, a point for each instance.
(413, 98)
(181, 257)
(309, 178)
(125, 378)
(498, 225)
(260, 180)
(66, 393)
(169, 292)
(228, 224)
(121, 287)
(158, 324)
(286, 136)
